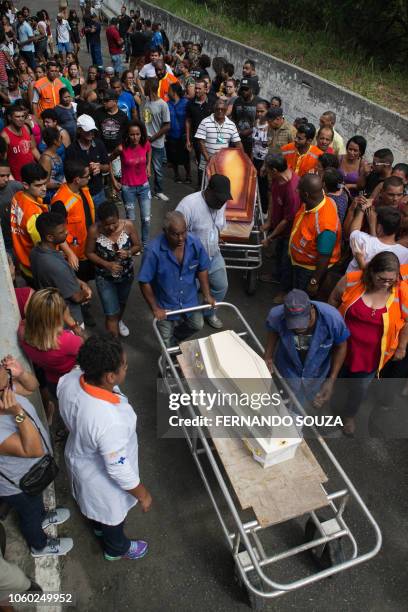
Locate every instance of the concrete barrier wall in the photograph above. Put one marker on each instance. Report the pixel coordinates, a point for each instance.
(303, 93)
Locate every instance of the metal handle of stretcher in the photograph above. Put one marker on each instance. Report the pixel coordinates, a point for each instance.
(279, 588)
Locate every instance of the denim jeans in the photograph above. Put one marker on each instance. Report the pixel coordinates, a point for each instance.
(99, 198)
(158, 154)
(176, 331)
(115, 543)
(117, 63)
(284, 264)
(347, 398)
(64, 46)
(301, 277)
(218, 279)
(113, 295)
(96, 54)
(31, 513)
(140, 194)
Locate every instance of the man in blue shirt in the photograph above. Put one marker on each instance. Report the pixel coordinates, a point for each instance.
(172, 264)
(307, 342)
(26, 40)
(126, 101)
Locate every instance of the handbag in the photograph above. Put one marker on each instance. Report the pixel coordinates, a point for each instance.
(40, 475)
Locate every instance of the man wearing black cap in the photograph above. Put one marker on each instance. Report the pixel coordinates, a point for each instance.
(280, 131)
(244, 113)
(249, 72)
(307, 342)
(205, 217)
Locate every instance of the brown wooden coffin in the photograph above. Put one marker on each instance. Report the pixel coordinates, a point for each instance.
(235, 164)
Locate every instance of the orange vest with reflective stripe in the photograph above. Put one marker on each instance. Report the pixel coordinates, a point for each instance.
(164, 84)
(48, 92)
(307, 226)
(76, 219)
(395, 317)
(23, 207)
(301, 164)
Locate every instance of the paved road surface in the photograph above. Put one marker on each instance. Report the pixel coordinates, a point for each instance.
(188, 567)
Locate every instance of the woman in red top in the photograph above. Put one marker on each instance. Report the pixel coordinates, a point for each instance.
(370, 316)
(136, 158)
(44, 339)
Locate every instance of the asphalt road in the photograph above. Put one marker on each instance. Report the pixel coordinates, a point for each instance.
(188, 567)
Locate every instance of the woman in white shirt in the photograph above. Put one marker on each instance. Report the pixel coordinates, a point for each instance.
(101, 453)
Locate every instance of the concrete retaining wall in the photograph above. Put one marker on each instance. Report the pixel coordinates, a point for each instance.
(303, 93)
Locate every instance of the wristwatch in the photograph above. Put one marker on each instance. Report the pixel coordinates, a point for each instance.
(20, 418)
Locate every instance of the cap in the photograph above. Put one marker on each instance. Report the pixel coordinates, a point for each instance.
(109, 70)
(274, 113)
(110, 94)
(246, 83)
(86, 123)
(220, 187)
(297, 309)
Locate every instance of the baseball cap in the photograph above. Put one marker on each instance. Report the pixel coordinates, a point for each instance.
(220, 188)
(274, 113)
(110, 94)
(109, 70)
(297, 308)
(86, 123)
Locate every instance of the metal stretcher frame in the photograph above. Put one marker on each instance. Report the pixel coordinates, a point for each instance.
(250, 557)
(246, 256)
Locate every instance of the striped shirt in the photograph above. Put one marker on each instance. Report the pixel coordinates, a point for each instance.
(217, 136)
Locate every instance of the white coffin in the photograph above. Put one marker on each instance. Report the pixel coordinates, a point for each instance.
(235, 368)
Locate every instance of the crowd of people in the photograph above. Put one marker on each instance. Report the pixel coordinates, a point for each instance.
(82, 154)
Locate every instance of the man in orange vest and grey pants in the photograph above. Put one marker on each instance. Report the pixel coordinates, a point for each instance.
(80, 214)
(302, 156)
(46, 90)
(315, 240)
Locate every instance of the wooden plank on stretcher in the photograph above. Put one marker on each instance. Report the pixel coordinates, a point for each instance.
(278, 493)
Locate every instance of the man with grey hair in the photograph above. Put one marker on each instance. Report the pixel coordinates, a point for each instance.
(328, 119)
(172, 263)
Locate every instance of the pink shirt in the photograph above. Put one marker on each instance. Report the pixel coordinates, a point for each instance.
(364, 344)
(55, 362)
(285, 203)
(134, 160)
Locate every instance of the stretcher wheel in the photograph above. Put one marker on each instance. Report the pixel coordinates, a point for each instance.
(250, 282)
(327, 555)
(256, 603)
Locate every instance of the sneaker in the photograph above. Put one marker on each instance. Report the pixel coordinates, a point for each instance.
(55, 517)
(55, 546)
(162, 196)
(137, 550)
(123, 329)
(215, 322)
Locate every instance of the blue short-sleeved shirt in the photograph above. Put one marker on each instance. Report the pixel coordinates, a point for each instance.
(177, 118)
(126, 103)
(174, 285)
(25, 32)
(330, 330)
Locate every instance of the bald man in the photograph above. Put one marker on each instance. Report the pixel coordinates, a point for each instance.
(172, 264)
(165, 79)
(315, 240)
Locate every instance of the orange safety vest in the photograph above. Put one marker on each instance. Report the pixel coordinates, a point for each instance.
(164, 84)
(301, 164)
(76, 219)
(48, 92)
(23, 207)
(395, 317)
(307, 226)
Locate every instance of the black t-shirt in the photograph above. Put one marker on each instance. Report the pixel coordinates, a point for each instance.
(196, 112)
(96, 153)
(138, 41)
(124, 24)
(112, 128)
(244, 114)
